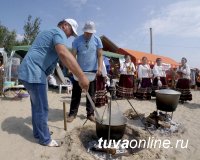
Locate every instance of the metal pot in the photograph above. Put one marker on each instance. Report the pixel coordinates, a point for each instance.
(117, 129)
(167, 99)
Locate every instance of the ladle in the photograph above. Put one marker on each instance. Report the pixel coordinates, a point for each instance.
(93, 105)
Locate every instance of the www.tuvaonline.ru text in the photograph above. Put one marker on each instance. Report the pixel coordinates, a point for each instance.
(151, 142)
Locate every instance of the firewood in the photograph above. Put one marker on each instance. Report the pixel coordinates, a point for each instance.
(164, 124)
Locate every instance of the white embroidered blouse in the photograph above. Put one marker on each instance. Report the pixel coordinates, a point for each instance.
(158, 71)
(185, 70)
(127, 68)
(144, 71)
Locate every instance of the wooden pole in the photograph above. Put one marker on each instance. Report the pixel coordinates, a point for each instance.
(151, 41)
(64, 115)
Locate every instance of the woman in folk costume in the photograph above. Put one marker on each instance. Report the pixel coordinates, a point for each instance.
(183, 84)
(197, 78)
(144, 76)
(125, 87)
(100, 94)
(159, 73)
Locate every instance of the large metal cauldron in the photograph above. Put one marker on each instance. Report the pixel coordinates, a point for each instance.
(167, 99)
(117, 129)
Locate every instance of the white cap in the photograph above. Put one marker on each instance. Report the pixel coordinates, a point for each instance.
(89, 27)
(73, 24)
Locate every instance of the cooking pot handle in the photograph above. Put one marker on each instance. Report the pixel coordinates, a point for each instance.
(93, 105)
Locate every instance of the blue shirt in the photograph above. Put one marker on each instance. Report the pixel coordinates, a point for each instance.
(41, 59)
(87, 52)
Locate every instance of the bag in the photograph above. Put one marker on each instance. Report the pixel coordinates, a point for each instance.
(159, 83)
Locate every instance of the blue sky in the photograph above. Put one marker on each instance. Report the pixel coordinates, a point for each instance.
(175, 23)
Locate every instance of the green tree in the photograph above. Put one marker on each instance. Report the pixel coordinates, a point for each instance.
(10, 41)
(3, 34)
(7, 38)
(31, 29)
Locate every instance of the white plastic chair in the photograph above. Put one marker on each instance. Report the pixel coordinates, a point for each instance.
(64, 81)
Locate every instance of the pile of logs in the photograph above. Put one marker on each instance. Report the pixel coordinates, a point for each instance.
(158, 120)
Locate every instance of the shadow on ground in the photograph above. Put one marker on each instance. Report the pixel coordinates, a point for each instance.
(191, 105)
(18, 126)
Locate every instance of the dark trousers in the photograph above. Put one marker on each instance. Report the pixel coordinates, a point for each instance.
(76, 98)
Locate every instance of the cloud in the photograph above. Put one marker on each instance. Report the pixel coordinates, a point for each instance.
(98, 8)
(180, 19)
(77, 4)
(20, 37)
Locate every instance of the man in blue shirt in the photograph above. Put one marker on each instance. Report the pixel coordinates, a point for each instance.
(39, 62)
(87, 48)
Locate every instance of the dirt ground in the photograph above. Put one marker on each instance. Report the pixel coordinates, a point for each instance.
(17, 142)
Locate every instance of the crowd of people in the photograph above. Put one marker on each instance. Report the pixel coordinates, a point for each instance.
(85, 62)
(148, 80)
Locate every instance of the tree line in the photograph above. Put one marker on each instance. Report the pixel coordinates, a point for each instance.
(8, 38)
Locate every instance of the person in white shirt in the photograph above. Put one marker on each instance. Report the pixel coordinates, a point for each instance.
(125, 88)
(184, 70)
(144, 76)
(183, 84)
(127, 67)
(159, 74)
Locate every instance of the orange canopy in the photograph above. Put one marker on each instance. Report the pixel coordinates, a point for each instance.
(137, 57)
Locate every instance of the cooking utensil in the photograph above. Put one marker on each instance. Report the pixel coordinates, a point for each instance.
(167, 99)
(90, 75)
(93, 105)
(117, 128)
(113, 125)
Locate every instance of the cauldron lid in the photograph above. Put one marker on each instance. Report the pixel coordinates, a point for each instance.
(168, 91)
